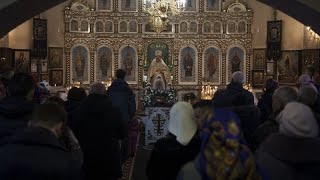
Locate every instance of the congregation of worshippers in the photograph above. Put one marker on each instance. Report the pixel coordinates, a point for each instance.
(91, 134)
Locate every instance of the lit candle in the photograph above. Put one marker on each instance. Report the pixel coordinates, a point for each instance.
(55, 85)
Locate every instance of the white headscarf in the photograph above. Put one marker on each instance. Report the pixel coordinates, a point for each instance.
(182, 123)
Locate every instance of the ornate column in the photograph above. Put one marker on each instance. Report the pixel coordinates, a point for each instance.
(248, 57)
(67, 54)
(224, 71)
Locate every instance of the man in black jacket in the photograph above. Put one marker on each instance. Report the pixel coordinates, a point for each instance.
(35, 152)
(224, 98)
(123, 98)
(16, 109)
(98, 126)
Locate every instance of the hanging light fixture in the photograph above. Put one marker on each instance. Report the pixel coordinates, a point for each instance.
(159, 11)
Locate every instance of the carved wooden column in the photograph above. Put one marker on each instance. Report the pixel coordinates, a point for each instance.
(67, 54)
(224, 71)
(92, 66)
(175, 67)
(248, 56)
(140, 65)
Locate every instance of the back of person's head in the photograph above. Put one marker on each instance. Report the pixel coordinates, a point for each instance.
(189, 97)
(120, 73)
(203, 104)
(238, 77)
(97, 88)
(76, 94)
(270, 85)
(304, 80)
(283, 96)
(307, 95)
(203, 109)
(21, 85)
(54, 100)
(297, 120)
(182, 123)
(49, 115)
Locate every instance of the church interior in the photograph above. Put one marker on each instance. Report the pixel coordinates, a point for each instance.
(170, 52)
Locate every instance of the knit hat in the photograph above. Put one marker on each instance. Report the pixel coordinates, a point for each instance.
(182, 123)
(297, 120)
(304, 80)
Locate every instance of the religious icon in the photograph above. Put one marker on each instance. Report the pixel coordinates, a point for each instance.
(231, 27)
(188, 65)
(257, 78)
(217, 27)
(79, 65)
(212, 5)
(109, 26)
(212, 64)
(104, 5)
(133, 26)
(207, 27)
(55, 57)
(193, 27)
(189, 3)
(288, 67)
(99, 26)
(128, 2)
(56, 77)
(128, 63)
(22, 61)
(274, 33)
(84, 26)
(183, 27)
(235, 63)
(128, 5)
(242, 27)
(104, 63)
(123, 26)
(259, 58)
(74, 25)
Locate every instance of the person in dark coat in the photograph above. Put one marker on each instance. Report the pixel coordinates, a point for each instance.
(74, 99)
(16, 109)
(179, 147)
(265, 102)
(280, 98)
(99, 127)
(123, 98)
(293, 153)
(35, 152)
(224, 98)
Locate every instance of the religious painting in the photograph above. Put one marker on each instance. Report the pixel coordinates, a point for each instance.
(128, 62)
(56, 78)
(99, 26)
(217, 27)
(193, 27)
(259, 59)
(274, 39)
(257, 78)
(109, 26)
(84, 26)
(148, 29)
(55, 57)
(211, 65)
(191, 5)
(103, 63)
(183, 27)
(207, 27)
(270, 68)
(288, 68)
(44, 66)
(241, 27)
(44, 77)
(128, 5)
(151, 51)
(236, 58)
(104, 5)
(74, 26)
(133, 26)
(231, 27)
(310, 61)
(80, 64)
(22, 61)
(123, 26)
(212, 5)
(188, 66)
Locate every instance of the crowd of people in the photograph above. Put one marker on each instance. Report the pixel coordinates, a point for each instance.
(92, 134)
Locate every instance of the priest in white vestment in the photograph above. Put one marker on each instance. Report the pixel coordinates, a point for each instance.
(159, 67)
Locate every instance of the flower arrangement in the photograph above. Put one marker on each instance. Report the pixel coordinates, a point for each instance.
(159, 97)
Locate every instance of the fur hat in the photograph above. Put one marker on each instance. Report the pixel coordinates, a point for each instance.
(298, 120)
(182, 123)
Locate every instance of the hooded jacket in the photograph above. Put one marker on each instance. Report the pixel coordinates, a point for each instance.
(15, 113)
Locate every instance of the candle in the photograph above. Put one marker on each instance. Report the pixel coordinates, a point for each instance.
(55, 85)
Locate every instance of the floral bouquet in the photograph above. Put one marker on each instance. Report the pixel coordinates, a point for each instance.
(159, 97)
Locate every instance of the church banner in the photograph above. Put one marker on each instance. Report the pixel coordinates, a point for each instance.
(274, 37)
(39, 38)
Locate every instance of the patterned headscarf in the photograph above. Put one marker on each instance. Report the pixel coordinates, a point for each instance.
(223, 155)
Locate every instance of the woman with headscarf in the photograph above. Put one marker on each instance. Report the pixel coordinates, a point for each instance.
(179, 147)
(223, 155)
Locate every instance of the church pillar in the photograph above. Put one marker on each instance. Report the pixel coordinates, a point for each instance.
(92, 66)
(175, 68)
(140, 65)
(224, 70)
(248, 57)
(67, 53)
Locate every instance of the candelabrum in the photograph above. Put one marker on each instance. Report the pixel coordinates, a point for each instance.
(159, 11)
(247, 87)
(208, 91)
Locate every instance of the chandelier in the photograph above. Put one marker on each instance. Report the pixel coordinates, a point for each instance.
(207, 92)
(159, 10)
